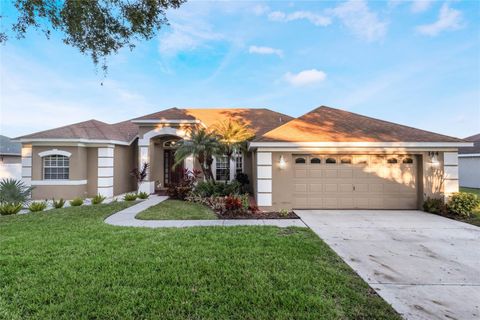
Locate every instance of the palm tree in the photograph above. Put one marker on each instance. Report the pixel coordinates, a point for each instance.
(232, 136)
(202, 145)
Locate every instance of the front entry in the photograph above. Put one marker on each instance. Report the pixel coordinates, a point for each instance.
(171, 175)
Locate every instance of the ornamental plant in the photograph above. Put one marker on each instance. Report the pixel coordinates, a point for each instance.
(57, 204)
(75, 202)
(98, 199)
(462, 203)
(37, 206)
(142, 195)
(7, 208)
(130, 197)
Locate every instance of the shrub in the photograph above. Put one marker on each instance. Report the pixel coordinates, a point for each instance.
(212, 188)
(37, 206)
(8, 208)
(182, 189)
(434, 205)
(130, 197)
(245, 199)
(233, 203)
(98, 199)
(284, 213)
(75, 202)
(242, 178)
(143, 195)
(58, 204)
(462, 203)
(14, 191)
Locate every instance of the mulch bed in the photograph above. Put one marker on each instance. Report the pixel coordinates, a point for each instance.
(258, 215)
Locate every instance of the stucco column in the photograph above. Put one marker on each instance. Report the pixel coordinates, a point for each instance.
(264, 179)
(105, 171)
(144, 157)
(27, 164)
(450, 171)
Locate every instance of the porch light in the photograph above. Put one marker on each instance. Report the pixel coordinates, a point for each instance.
(282, 163)
(433, 158)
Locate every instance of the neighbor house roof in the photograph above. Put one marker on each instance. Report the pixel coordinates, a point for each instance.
(476, 145)
(90, 130)
(325, 124)
(8, 147)
(259, 120)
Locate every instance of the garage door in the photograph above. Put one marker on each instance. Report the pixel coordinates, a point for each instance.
(354, 181)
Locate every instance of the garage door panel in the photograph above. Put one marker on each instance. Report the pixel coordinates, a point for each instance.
(315, 173)
(346, 203)
(300, 173)
(330, 203)
(330, 187)
(315, 202)
(300, 201)
(346, 173)
(331, 173)
(300, 187)
(315, 188)
(375, 188)
(361, 187)
(345, 187)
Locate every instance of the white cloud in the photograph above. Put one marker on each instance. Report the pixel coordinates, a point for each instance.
(363, 23)
(316, 19)
(420, 5)
(265, 50)
(448, 19)
(184, 37)
(305, 77)
(260, 9)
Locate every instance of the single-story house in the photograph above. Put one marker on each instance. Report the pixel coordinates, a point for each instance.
(469, 163)
(327, 158)
(10, 158)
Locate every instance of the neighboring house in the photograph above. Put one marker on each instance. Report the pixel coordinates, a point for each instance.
(469, 163)
(10, 158)
(327, 158)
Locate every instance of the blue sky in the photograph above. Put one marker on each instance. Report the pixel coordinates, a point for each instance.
(411, 62)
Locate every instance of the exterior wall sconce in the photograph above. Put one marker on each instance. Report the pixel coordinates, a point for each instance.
(282, 163)
(433, 158)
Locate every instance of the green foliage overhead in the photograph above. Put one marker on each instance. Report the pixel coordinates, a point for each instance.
(96, 28)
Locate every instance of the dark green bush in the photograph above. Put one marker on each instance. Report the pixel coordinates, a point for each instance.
(37, 206)
(58, 204)
(143, 195)
(434, 205)
(130, 197)
(14, 191)
(98, 199)
(8, 208)
(218, 189)
(462, 203)
(75, 202)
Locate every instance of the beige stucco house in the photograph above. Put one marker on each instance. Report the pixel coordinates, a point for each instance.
(327, 158)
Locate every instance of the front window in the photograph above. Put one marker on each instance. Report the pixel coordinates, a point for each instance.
(56, 167)
(238, 164)
(222, 168)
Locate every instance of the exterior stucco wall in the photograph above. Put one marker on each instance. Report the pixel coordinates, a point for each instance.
(57, 192)
(124, 162)
(469, 171)
(92, 171)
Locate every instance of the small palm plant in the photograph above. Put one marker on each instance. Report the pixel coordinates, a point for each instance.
(14, 191)
(140, 174)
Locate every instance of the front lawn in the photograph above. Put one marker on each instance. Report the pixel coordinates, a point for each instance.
(69, 264)
(177, 210)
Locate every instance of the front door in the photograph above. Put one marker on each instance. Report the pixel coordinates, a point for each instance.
(171, 175)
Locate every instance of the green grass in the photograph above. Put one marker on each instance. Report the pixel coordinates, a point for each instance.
(177, 210)
(475, 217)
(69, 264)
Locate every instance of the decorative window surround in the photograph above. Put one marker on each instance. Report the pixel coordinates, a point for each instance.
(450, 169)
(27, 165)
(55, 152)
(105, 171)
(264, 179)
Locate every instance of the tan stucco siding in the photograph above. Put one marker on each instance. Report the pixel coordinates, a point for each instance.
(78, 162)
(57, 192)
(124, 162)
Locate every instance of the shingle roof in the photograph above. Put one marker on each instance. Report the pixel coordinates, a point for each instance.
(259, 120)
(325, 124)
(476, 145)
(91, 129)
(7, 146)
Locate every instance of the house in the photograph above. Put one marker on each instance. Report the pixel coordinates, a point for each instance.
(10, 158)
(327, 158)
(469, 163)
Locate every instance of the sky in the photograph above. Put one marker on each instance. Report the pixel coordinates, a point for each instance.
(412, 62)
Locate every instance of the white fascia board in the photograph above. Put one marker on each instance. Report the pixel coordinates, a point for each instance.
(359, 144)
(173, 121)
(58, 182)
(83, 141)
(469, 155)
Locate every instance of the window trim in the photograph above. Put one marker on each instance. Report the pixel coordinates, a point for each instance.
(303, 160)
(315, 158)
(329, 159)
(217, 168)
(44, 167)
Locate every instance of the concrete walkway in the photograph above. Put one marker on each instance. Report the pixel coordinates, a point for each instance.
(126, 218)
(424, 265)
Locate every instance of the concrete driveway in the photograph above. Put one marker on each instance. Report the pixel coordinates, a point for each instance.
(425, 266)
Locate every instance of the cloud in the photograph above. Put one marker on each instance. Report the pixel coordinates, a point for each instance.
(363, 23)
(315, 19)
(265, 50)
(448, 19)
(305, 77)
(420, 5)
(260, 9)
(184, 37)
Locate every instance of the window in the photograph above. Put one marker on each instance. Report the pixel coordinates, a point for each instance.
(56, 167)
(315, 161)
(408, 160)
(392, 160)
(238, 164)
(361, 160)
(346, 160)
(300, 160)
(331, 160)
(221, 170)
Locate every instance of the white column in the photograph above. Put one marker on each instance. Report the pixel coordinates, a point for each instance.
(264, 179)
(105, 171)
(144, 157)
(27, 164)
(450, 171)
(189, 163)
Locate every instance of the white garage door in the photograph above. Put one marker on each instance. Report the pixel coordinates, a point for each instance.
(355, 181)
